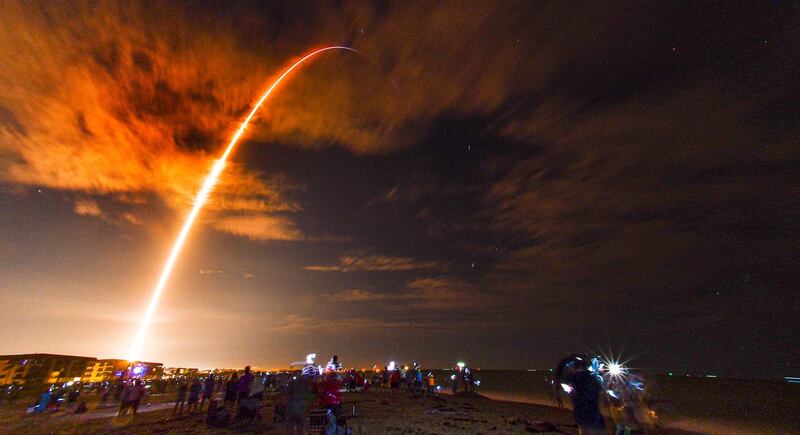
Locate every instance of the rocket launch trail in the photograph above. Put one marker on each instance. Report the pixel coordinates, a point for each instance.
(200, 200)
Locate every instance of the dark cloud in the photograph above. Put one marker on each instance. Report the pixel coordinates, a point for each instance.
(543, 169)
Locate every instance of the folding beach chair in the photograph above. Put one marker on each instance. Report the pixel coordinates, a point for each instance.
(317, 421)
(353, 415)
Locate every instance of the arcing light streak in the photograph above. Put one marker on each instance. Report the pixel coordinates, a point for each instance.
(199, 201)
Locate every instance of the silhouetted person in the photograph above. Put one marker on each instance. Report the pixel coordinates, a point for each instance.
(394, 380)
(208, 390)
(333, 364)
(244, 384)
(417, 380)
(118, 389)
(135, 396)
(557, 394)
(125, 403)
(180, 399)
(105, 394)
(466, 378)
(584, 390)
(230, 391)
(194, 395)
(295, 412)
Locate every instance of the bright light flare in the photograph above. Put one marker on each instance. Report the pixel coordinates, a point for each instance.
(615, 369)
(200, 200)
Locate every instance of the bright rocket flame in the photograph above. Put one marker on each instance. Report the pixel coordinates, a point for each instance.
(200, 199)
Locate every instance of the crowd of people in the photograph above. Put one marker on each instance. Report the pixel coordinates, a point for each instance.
(238, 396)
(303, 391)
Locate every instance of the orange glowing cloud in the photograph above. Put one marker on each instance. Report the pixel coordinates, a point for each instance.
(88, 207)
(363, 262)
(129, 100)
(106, 101)
(259, 227)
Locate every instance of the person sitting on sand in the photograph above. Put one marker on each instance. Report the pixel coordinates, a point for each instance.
(180, 400)
(333, 365)
(247, 409)
(194, 395)
(328, 395)
(81, 408)
(217, 416)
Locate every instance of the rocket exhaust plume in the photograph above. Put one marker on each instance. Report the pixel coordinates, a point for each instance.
(200, 199)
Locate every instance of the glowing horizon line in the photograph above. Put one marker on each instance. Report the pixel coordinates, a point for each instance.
(200, 199)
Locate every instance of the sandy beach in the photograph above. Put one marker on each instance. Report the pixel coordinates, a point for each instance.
(380, 410)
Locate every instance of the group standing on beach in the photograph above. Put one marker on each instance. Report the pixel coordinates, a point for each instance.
(236, 390)
(132, 394)
(584, 380)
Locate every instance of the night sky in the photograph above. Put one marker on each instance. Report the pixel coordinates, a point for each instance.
(503, 183)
